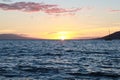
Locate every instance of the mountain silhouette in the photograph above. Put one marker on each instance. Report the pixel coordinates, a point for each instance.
(14, 36)
(113, 36)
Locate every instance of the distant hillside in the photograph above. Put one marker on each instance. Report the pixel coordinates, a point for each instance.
(14, 36)
(112, 36)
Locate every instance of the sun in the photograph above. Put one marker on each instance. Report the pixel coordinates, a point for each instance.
(63, 35)
(62, 38)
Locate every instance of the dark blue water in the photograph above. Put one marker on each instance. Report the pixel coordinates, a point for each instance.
(59, 60)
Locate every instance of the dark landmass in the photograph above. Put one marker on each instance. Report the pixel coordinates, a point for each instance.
(14, 36)
(113, 36)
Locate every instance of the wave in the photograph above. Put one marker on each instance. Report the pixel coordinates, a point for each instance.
(34, 69)
(52, 54)
(96, 74)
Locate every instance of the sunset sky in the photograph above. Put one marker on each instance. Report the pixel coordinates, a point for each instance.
(60, 19)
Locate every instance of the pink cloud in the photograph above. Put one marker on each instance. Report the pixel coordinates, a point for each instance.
(35, 7)
(27, 7)
(61, 10)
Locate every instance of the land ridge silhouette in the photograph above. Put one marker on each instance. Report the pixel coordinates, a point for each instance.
(112, 36)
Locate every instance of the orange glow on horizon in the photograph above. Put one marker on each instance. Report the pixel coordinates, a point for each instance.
(63, 35)
(59, 35)
(69, 34)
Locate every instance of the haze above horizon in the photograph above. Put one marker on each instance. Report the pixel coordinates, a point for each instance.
(60, 19)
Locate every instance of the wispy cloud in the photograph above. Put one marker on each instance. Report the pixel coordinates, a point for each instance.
(35, 7)
(61, 10)
(114, 10)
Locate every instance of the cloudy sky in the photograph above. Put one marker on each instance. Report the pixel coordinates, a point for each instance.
(56, 19)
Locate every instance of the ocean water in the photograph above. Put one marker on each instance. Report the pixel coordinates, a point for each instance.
(59, 60)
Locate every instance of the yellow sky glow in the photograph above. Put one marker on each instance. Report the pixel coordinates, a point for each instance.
(58, 27)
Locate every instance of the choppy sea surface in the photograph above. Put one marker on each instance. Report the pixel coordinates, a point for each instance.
(59, 60)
